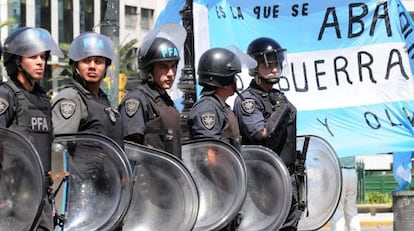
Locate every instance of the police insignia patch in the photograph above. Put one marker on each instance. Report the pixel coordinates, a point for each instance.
(67, 108)
(248, 106)
(3, 105)
(208, 119)
(131, 106)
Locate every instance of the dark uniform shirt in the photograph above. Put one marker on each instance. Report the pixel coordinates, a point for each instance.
(213, 118)
(76, 109)
(29, 113)
(253, 111)
(146, 112)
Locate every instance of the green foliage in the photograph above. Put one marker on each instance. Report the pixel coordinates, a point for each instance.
(378, 198)
(129, 62)
(7, 22)
(127, 57)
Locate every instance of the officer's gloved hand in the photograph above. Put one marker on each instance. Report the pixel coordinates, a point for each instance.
(278, 120)
(276, 97)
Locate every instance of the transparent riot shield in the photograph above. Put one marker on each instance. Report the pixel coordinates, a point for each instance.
(22, 184)
(165, 196)
(97, 191)
(322, 190)
(220, 174)
(269, 190)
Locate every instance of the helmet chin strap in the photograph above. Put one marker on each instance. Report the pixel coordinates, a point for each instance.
(266, 80)
(151, 81)
(26, 75)
(234, 86)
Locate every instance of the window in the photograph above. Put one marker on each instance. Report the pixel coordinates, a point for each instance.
(131, 17)
(65, 17)
(17, 10)
(43, 15)
(87, 12)
(147, 18)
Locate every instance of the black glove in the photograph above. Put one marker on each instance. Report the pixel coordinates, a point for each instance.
(278, 120)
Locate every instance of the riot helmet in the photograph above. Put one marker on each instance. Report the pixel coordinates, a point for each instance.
(161, 49)
(267, 51)
(218, 67)
(90, 44)
(26, 42)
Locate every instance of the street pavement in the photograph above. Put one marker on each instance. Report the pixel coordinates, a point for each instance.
(381, 221)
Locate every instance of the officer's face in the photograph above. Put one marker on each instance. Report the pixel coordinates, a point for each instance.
(92, 69)
(164, 74)
(270, 71)
(34, 65)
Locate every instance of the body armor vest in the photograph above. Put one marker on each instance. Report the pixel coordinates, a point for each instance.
(230, 132)
(102, 118)
(285, 145)
(33, 120)
(163, 130)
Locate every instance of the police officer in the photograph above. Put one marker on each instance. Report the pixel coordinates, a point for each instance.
(82, 105)
(265, 114)
(149, 114)
(24, 105)
(210, 116)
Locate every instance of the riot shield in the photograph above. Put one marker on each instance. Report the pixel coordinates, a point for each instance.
(22, 183)
(165, 196)
(324, 182)
(220, 174)
(98, 189)
(269, 191)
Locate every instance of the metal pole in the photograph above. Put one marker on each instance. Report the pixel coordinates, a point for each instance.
(110, 28)
(187, 81)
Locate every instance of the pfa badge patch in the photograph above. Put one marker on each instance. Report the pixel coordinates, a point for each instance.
(248, 106)
(3, 105)
(67, 108)
(131, 106)
(208, 119)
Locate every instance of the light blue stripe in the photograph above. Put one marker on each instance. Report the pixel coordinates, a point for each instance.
(371, 129)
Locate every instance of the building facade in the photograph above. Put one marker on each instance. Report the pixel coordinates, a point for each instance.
(66, 19)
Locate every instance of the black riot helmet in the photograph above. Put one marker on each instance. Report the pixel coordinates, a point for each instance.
(157, 50)
(26, 42)
(267, 51)
(218, 67)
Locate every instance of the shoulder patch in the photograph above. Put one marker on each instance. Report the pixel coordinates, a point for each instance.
(248, 106)
(3, 105)
(67, 108)
(131, 106)
(208, 119)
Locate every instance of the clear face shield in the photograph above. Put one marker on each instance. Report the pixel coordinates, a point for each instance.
(246, 62)
(275, 59)
(33, 41)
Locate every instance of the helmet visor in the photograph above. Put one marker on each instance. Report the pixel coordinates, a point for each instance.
(277, 58)
(32, 41)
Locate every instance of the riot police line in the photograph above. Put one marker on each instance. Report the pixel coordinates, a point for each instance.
(98, 186)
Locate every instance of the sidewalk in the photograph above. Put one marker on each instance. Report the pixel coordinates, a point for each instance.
(381, 221)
